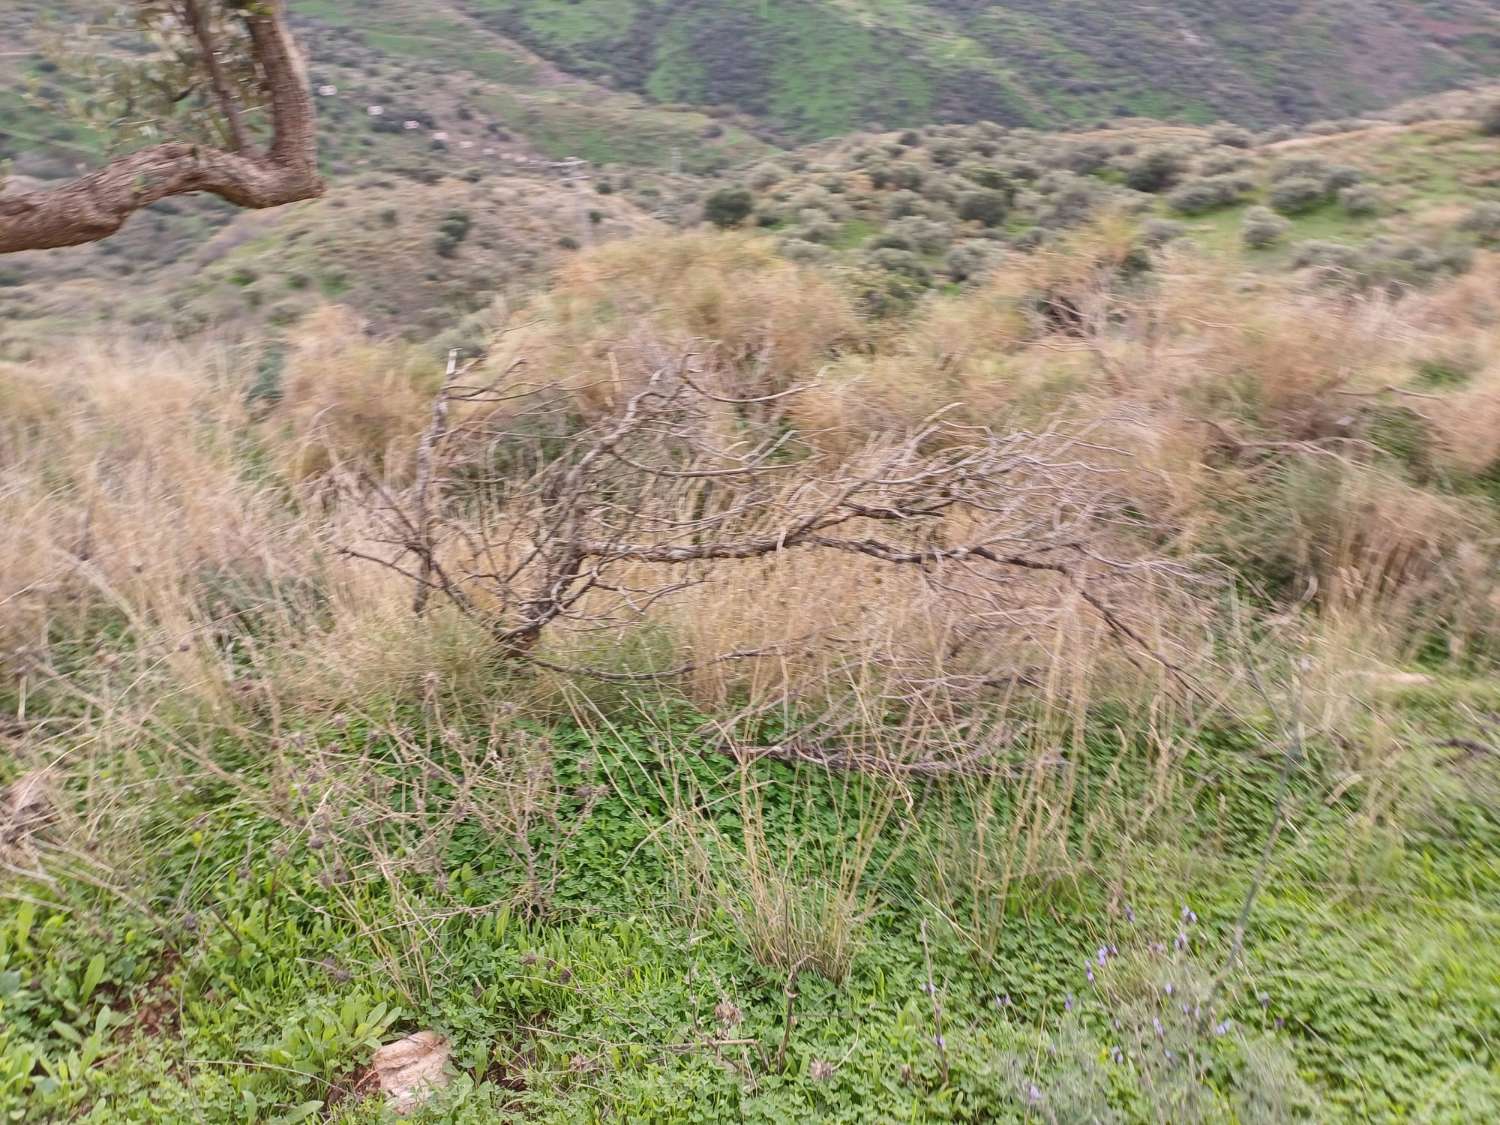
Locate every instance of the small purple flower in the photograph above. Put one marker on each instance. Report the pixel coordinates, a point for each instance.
(1169, 1054)
(1129, 914)
(1118, 1056)
(1102, 955)
(1265, 999)
(1280, 1023)
(1182, 940)
(1157, 1027)
(1068, 1003)
(1188, 916)
(1168, 988)
(1114, 950)
(1088, 971)
(1033, 1095)
(927, 987)
(939, 1042)
(1224, 1027)
(1158, 947)
(1003, 1001)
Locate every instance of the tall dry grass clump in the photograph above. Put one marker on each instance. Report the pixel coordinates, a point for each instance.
(612, 314)
(348, 403)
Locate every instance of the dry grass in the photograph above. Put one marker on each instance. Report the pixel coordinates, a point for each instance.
(174, 567)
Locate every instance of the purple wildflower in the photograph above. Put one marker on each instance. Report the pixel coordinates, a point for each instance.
(1182, 939)
(1224, 1027)
(1068, 1003)
(1168, 988)
(1102, 955)
(1088, 971)
(1129, 914)
(1033, 1095)
(1157, 1027)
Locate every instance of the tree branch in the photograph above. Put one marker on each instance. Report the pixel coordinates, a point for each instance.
(229, 105)
(96, 205)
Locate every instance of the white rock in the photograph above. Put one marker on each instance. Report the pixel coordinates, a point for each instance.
(411, 1070)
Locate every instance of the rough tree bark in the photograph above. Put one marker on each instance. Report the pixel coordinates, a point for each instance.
(96, 205)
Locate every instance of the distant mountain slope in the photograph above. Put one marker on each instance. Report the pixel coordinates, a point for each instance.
(821, 67)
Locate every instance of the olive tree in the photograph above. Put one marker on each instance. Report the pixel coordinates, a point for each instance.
(220, 105)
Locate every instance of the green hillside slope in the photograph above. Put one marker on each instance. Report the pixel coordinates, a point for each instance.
(820, 67)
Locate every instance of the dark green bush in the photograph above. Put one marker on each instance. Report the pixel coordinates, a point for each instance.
(988, 208)
(728, 207)
(1155, 171)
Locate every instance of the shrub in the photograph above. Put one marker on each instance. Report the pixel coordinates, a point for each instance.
(1155, 172)
(946, 154)
(1361, 200)
(1232, 136)
(1298, 195)
(1302, 168)
(800, 250)
(1489, 120)
(964, 262)
(451, 231)
(1222, 164)
(904, 203)
(985, 175)
(988, 208)
(1263, 228)
(1159, 232)
(815, 226)
(1198, 196)
(1326, 256)
(728, 207)
(1483, 222)
(1085, 158)
(906, 176)
(1341, 176)
(926, 236)
(902, 263)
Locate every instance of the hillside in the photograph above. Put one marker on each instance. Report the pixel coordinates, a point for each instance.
(813, 68)
(627, 612)
(427, 239)
(1073, 699)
